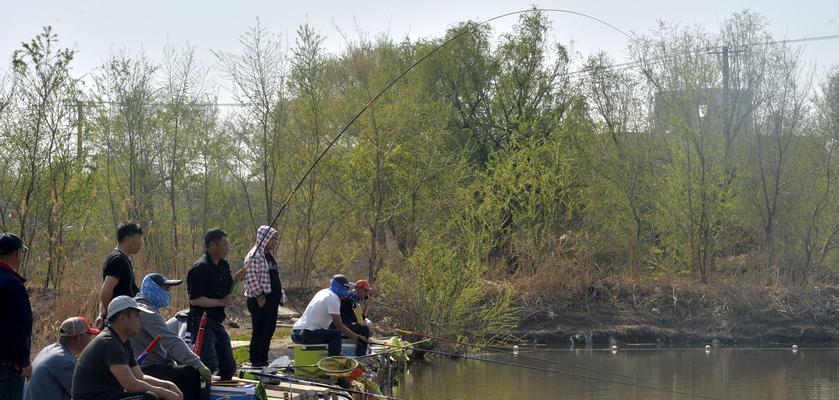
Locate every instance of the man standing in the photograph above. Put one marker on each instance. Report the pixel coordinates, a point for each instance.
(107, 370)
(171, 349)
(264, 292)
(52, 370)
(323, 310)
(118, 271)
(15, 318)
(210, 284)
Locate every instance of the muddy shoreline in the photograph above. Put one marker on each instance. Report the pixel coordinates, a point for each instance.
(667, 315)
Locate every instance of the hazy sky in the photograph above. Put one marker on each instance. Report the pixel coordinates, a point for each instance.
(98, 28)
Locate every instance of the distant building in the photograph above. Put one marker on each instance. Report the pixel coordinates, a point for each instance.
(728, 113)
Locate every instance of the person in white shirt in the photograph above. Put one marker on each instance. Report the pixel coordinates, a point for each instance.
(323, 310)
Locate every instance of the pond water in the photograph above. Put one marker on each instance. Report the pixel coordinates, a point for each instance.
(722, 373)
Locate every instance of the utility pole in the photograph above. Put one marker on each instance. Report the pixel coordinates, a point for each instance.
(725, 69)
(79, 130)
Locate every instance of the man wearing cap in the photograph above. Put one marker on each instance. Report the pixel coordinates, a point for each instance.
(210, 284)
(107, 370)
(171, 349)
(323, 310)
(52, 370)
(15, 319)
(118, 271)
(353, 310)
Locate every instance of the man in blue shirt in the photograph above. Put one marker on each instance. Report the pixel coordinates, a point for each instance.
(52, 370)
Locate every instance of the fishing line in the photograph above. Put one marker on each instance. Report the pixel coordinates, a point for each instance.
(403, 331)
(594, 378)
(409, 69)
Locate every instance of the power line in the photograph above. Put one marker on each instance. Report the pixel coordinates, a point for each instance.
(708, 50)
(804, 39)
(580, 72)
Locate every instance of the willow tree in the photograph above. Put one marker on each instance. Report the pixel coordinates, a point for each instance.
(313, 213)
(619, 152)
(39, 137)
(259, 84)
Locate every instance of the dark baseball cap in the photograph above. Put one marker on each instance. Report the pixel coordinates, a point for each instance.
(161, 280)
(343, 281)
(10, 242)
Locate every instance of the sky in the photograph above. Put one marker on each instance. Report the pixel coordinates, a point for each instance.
(97, 29)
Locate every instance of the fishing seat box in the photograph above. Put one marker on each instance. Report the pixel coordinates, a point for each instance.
(232, 390)
(309, 354)
(347, 347)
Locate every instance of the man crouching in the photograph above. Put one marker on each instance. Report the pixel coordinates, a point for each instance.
(107, 370)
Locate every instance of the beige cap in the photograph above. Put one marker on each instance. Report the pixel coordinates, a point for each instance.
(120, 303)
(76, 326)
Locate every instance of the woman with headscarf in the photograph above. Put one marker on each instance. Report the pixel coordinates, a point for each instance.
(264, 293)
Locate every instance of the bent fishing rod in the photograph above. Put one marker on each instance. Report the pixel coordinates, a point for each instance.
(570, 365)
(573, 374)
(399, 77)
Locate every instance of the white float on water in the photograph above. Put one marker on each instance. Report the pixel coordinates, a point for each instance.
(794, 348)
(515, 349)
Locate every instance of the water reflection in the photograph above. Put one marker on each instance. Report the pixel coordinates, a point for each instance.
(723, 373)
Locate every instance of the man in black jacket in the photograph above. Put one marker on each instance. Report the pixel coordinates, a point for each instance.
(15, 318)
(210, 286)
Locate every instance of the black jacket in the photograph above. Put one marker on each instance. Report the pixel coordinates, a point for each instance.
(15, 318)
(209, 280)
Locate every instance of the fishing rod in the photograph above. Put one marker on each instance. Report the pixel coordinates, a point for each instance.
(589, 377)
(396, 349)
(399, 77)
(384, 353)
(407, 332)
(323, 385)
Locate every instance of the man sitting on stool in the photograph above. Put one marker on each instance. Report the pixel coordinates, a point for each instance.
(107, 370)
(323, 310)
(52, 370)
(171, 349)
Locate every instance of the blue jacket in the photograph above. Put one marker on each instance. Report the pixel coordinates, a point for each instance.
(15, 318)
(52, 374)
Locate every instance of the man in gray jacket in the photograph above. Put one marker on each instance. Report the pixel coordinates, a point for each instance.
(189, 373)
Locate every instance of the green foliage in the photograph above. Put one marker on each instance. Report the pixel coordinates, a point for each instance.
(440, 291)
(524, 202)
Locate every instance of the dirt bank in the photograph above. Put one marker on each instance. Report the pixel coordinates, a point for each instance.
(682, 314)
